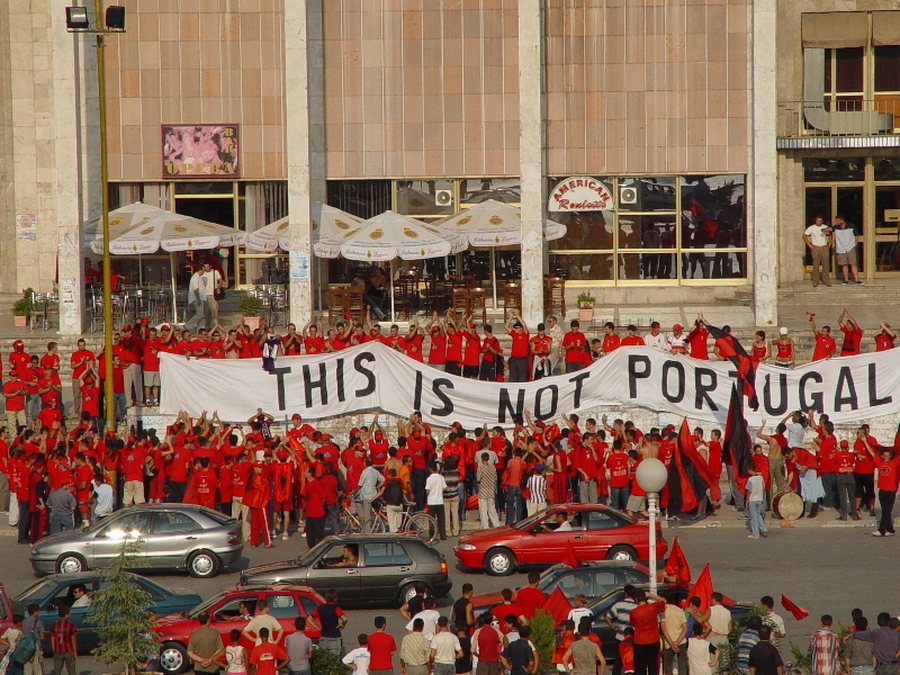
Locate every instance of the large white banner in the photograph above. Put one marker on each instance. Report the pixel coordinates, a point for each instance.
(375, 377)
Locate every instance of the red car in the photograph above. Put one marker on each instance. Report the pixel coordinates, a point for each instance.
(286, 602)
(594, 531)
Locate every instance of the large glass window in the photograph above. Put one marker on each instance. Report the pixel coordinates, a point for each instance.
(662, 231)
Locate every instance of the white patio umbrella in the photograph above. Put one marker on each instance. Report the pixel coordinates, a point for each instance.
(329, 225)
(491, 224)
(141, 229)
(389, 236)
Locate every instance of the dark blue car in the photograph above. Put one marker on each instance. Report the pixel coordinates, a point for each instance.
(56, 590)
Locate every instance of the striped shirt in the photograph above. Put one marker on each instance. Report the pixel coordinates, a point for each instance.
(537, 488)
(61, 635)
(487, 481)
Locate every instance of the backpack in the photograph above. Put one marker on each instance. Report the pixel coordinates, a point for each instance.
(25, 650)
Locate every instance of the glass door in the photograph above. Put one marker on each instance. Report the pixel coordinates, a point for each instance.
(887, 230)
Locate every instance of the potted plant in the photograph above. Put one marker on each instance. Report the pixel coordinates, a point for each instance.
(586, 303)
(250, 307)
(22, 308)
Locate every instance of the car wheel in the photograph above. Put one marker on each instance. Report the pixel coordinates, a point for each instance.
(500, 562)
(70, 563)
(203, 564)
(408, 591)
(173, 658)
(621, 553)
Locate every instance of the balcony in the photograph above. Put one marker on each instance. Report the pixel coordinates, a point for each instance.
(847, 122)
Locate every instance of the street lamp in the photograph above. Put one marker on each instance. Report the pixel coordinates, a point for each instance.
(651, 476)
(77, 22)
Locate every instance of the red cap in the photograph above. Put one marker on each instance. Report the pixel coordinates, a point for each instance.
(283, 454)
(354, 431)
(677, 327)
(845, 444)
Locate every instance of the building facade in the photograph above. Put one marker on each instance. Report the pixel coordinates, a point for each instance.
(686, 144)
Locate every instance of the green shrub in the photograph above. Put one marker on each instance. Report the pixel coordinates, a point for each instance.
(250, 306)
(543, 635)
(325, 663)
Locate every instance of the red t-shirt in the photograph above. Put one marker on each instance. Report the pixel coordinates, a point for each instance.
(617, 463)
(437, 352)
(575, 344)
(519, 344)
(16, 395)
(381, 651)
(488, 645)
(611, 342)
(825, 346)
(843, 461)
(633, 341)
(887, 473)
(132, 463)
(852, 339)
(151, 355)
(883, 342)
(698, 339)
(265, 657)
(314, 344)
(530, 599)
(455, 347)
(541, 344)
(80, 361)
(645, 620)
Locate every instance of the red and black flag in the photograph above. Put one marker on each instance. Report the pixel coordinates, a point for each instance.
(693, 477)
(738, 444)
(729, 347)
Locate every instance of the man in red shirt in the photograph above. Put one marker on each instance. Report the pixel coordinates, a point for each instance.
(131, 465)
(151, 349)
(698, 339)
(382, 647)
(541, 346)
(611, 339)
(514, 475)
(437, 351)
(80, 360)
(825, 346)
(888, 465)
(14, 391)
(268, 657)
(575, 345)
(518, 355)
(884, 340)
(531, 597)
(488, 645)
(853, 334)
(645, 620)
(843, 461)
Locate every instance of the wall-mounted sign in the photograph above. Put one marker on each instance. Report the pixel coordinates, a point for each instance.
(581, 193)
(200, 151)
(26, 226)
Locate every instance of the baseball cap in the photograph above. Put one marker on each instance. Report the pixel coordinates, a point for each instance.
(783, 331)
(677, 327)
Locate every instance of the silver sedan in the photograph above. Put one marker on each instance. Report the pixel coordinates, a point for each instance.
(163, 536)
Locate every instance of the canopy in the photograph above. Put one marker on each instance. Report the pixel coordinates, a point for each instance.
(141, 229)
(492, 223)
(329, 225)
(390, 235)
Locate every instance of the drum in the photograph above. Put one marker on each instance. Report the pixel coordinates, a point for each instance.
(788, 505)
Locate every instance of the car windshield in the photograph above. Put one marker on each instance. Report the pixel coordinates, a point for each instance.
(205, 606)
(36, 590)
(526, 523)
(307, 558)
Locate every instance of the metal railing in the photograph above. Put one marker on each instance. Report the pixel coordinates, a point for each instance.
(848, 116)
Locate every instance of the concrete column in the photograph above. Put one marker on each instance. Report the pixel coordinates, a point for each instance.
(762, 206)
(532, 157)
(305, 128)
(66, 188)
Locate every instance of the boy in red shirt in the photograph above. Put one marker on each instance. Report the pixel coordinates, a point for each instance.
(575, 345)
(268, 657)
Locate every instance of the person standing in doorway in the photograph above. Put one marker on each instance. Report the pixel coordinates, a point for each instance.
(196, 302)
(845, 250)
(212, 282)
(818, 240)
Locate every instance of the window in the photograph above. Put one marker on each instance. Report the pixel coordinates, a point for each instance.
(308, 605)
(173, 522)
(661, 230)
(132, 524)
(385, 554)
(282, 606)
(576, 583)
(844, 83)
(231, 610)
(597, 520)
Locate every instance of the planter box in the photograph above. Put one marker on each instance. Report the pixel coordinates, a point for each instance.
(586, 314)
(252, 321)
(20, 321)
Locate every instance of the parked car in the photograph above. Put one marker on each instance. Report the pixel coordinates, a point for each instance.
(387, 569)
(593, 530)
(56, 590)
(600, 607)
(593, 579)
(286, 602)
(166, 536)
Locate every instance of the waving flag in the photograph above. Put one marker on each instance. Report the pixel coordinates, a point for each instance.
(737, 439)
(798, 612)
(730, 348)
(570, 557)
(702, 588)
(677, 565)
(557, 606)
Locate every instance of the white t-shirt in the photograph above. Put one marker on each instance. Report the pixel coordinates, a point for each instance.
(756, 489)
(657, 341)
(105, 499)
(676, 343)
(434, 488)
(445, 645)
(576, 614)
(429, 619)
(844, 239)
(719, 618)
(818, 234)
(795, 433)
(360, 658)
(698, 656)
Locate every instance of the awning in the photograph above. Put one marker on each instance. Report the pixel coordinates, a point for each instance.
(832, 30)
(886, 28)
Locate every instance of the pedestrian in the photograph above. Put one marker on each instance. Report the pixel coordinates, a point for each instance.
(463, 612)
(332, 621)
(770, 618)
(299, 649)
(747, 640)
(756, 505)
(702, 655)
(236, 656)
(518, 656)
(486, 645)
(415, 652)
(429, 616)
(764, 657)
(268, 656)
(382, 647)
(644, 618)
(370, 487)
(719, 622)
(445, 649)
(359, 659)
(823, 646)
(452, 480)
(62, 505)
(531, 598)
(205, 646)
(859, 655)
(464, 662)
(33, 625)
(486, 477)
(263, 619)
(537, 491)
(886, 641)
(582, 657)
(887, 464)
(64, 642)
(844, 460)
(435, 486)
(817, 238)
(674, 635)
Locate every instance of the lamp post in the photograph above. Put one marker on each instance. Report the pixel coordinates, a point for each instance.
(77, 22)
(651, 476)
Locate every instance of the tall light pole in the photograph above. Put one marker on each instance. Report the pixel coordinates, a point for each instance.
(651, 476)
(77, 22)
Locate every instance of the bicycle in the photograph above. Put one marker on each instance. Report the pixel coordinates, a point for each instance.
(420, 524)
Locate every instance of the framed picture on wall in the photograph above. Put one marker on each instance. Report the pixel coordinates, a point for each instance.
(200, 151)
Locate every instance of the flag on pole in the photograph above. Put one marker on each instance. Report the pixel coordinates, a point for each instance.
(729, 347)
(677, 565)
(702, 588)
(738, 443)
(557, 606)
(570, 557)
(798, 612)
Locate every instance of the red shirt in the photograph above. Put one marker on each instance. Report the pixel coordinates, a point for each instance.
(265, 657)
(632, 341)
(611, 342)
(617, 463)
(455, 347)
(61, 635)
(314, 501)
(541, 344)
(314, 344)
(825, 346)
(15, 393)
(852, 339)
(381, 651)
(488, 644)
(530, 599)
(520, 340)
(826, 455)
(843, 461)
(883, 342)
(437, 352)
(412, 346)
(887, 473)
(472, 354)
(645, 620)
(575, 344)
(698, 340)
(131, 462)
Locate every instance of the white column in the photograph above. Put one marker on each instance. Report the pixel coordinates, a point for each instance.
(762, 211)
(305, 129)
(68, 216)
(532, 158)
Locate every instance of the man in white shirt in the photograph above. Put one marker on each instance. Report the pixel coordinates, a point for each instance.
(656, 339)
(818, 239)
(771, 619)
(845, 250)
(719, 621)
(359, 658)
(434, 497)
(212, 281)
(429, 617)
(196, 302)
(104, 499)
(445, 649)
(756, 499)
(262, 620)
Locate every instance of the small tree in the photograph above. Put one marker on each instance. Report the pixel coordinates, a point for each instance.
(543, 635)
(121, 613)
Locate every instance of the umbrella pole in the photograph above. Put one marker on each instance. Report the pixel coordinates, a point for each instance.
(392, 291)
(140, 270)
(494, 275)
(174, 295)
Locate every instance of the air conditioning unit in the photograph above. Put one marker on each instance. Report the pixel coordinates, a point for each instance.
(443, 197)
(628, 194)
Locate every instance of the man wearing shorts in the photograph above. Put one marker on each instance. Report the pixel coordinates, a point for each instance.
(818, 239)
(845, 250)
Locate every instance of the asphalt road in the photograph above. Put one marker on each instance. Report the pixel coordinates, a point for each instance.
(824, 570)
